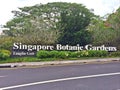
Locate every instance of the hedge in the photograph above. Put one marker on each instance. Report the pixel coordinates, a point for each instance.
(52, 54)
(68, 54)
(4, 54)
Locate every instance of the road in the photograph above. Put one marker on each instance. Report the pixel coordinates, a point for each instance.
(105, 76)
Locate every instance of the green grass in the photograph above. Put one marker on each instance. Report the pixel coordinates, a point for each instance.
(60, 56)
(19, 59)
(26, 59)
(35, 59)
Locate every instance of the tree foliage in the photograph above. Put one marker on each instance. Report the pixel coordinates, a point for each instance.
(106, 31)
(74, 21)
(114, 22)
(44, 23)
(60, 22)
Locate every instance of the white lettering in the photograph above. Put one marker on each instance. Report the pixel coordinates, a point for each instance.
(15, 46)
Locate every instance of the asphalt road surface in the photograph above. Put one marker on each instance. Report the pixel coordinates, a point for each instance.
(105, 76)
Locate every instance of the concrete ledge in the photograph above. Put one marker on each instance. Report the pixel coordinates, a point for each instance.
(5, 66)
(24, 64)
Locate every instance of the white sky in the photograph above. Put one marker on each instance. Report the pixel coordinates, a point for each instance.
(101, 7)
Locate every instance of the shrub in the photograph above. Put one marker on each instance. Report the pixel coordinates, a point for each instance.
(73, 54)
(43, 54)
(4, 54)
(115, 54)
(94, 53)
(91, 53)
(68, 54)
(82, 53)
(52, 54)
(6, 42)
(63, 54)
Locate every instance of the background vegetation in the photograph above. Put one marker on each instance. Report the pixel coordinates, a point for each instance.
(59, 22)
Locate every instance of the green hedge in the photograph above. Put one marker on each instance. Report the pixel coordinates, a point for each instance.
(68, 54)
(43, 54)
(94, 53)
(115, 54)
(52, 54)
(4, 54)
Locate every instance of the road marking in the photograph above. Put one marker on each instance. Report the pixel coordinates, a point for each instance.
(58, 80)
(2, 76)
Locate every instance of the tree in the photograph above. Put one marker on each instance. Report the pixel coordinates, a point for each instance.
(67, 20)
(114, 23)
(107, 31)
(74, 21)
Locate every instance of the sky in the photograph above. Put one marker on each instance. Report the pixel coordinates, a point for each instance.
(101, 7)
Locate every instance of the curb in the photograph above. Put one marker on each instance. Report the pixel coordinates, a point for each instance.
(24, 64)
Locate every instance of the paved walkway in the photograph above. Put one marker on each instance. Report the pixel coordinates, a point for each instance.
(24, 64)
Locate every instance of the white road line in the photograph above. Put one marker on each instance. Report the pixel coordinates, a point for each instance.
(58, 80)
(2, 76)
